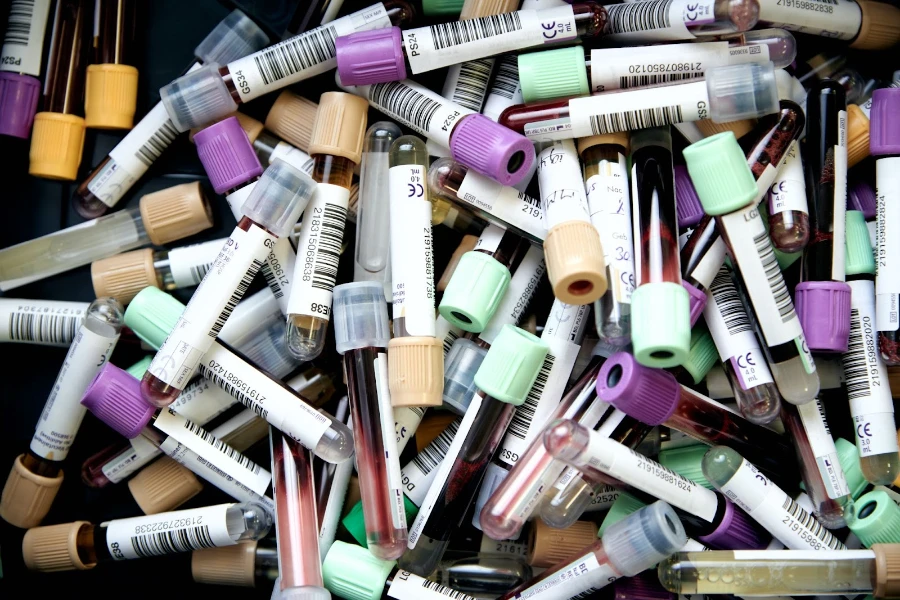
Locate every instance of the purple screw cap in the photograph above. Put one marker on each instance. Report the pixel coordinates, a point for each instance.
(884, 126)
(115, 398)
(227, 155)
(492, 149)
(644, 393)
(697, 299)
(19, 96)
(824, 311)
(641, 587)
(861, 197)
(736, 531)
(367, 57)
(687, 204)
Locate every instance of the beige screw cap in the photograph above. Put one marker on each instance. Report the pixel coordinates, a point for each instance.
(416, 371)
(54, 548)
(340, 126)
(473, 9)
(611, 139)
(291, 118)
(575, 262)
(57, 141)
(466, 245)
(251, 126)
(110, 96)
(887, 570)
(550, 546)
(27, 497)
(880, 27)
(739, 128)
(229, 565)
(857, 135)
(176, 212)
(124, 275)
(163, 486)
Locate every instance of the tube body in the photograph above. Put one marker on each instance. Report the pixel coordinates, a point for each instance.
(42, 322)
(683, 20)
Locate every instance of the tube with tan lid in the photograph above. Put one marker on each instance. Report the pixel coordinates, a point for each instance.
(867, 25)
(241, 565)
(161, 217)
(112, 82)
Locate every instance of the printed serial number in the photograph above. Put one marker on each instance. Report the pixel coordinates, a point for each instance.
(813, 6)
(667, 67)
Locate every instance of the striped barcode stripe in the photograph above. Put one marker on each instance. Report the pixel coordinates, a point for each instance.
(170, 542)
(198, 272)
(471, 84)
(774, 276)
(400, 99)
(521, 420)
(271, 281)
(221, 446)
(449, 340)
(728, 301)
(638, 16)
(432, 454)
(455, 33)
(445, 591)
(821, 410)
(506, 81)
(328, 253)
(239, 292)
(630, 120)
(159, 141)
(296, 54)
(808, 522)
(18, 27)
(854, 361)
(633, 81)
(46, 329)
(234, 392)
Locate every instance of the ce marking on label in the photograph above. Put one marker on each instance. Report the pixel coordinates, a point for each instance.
(862, 430)
(745, 360)
(415, 190)
(691, 12)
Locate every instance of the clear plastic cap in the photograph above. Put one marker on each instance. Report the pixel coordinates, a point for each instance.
(460, 366)
(279, 197)
(741, 92)
(197, 98)
(644, 538)
(234, 37)
(360, 316)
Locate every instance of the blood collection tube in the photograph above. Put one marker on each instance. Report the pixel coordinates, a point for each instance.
(868, 389)
(767, 144)
(233, 37)
(634, 544)
(754, 259)
(211, 93)
(162, 217)
(247, 564)
(20, 66)
(724, 94)
(866, 25)
(37, 475)
(41, 322)
(332, 482)
(503, 380)
(80, 546)
(788, 208)
(702, 255)
(336, 145)
(575, 264)
(269, 212)
(682, 20)
(505, 90)
(110, 95)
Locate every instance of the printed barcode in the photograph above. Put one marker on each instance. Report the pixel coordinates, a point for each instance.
(419, 411)
(810, 523)
(449, 592)
(272, 281)
(432, 454)
(296, 54)
(18, 28)
(234, 392)
(307, 167)
(454, 33)
(506, 81)
(449, 340)
(400, 99)
(471, 85)
(729, 303)
(585, 594)
(170, 542)
(633, 81)
(521, 420)
(630, 120)
(198, 272)
(854, 359)
(834, 2)
(532, 201)
(773, 275)
(638, 16)
(47, 329)
(821, 410)
(239, 292)
(159, 141)
(329, 249)
(222, 447)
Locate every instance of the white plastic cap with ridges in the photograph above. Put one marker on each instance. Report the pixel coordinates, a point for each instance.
(279, 197)
(744, 91)
(197, 98)
(234, 37)
(644, 538)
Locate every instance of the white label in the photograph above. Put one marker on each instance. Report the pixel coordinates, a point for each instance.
(839, 202)
(24, 40)
(140, 452)
(812, 416)
(406, 422)
(189, 264)
(490, 239)
(610, 209)
(446, 44)
(169, 532)
(518, 293)
(577, 578)
(887, 257)
(466, 83)
(839, 19)
(418, 474)
(63, 412)
(705, 271)
(504, 205)
(803, 555)
(202, 401)
(408, 586)
(44, 322)
(562, 186)
(412, 256)
(389, 440)
(447, 332)
(295, 157)
(788, 191)
(319, 251)
(503, 548)
(300, 57)
(656, 20)
(506, 90)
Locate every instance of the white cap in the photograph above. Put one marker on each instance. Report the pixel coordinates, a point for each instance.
(360, 316)
(644, 538)
(744, 91)
(279, 197)
(234, 37)
(197, 98)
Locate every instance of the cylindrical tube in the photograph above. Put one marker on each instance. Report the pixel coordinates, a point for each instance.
(788, 208)
(20, 65)
(866, 25)
(633, 24)
(42, 322)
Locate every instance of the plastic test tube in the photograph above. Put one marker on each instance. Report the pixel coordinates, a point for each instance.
(867, 25)
(42, 322)
(628, 25)
(212, 93)
(766, 145)
(234, 36)
(110, 95)
(151, 223)
(20, 66)
(36, 476)
(270, 212)
(331, 487)
(81, 546)
(505, 90)
(787, 204)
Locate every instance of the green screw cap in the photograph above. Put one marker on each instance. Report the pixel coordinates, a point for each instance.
(860, 258)
(876, 519)
(703, 354)
(687, 461)
(624, 505)
(138, 369)
(511, 365)
(152, 314)
(721, 176)
(660, 324)
(442, 7)
(355, 523)
(352, 572)
(553, 74)
(474, 292)
(848, 457)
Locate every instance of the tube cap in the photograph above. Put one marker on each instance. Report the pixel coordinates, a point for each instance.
(57, 142)
(54, 548)
(880, 27)
(484, 8)
(887, 571)
(646, 394)
(175, 213)
(360, 316)
(550, 546)
(235, 36)
(474, 292)
(739, 128)
(19, 95)
(251, 126)
(860, 258)
(861, 197)
(435, 8)
(576, 265)
(416, 371)
(467, 244)
(197, 98)
(115, 398)
(660, 324)
(552, 74)
(737, 531)
(884, 128)
(687, 203)
(511, 365)
(721, 176)
(644, 538)
(340, 126)
(618, 138)
(492, 149)
(848, 457)
(228, 565)
(355, 525)
(460, 366)
(227, 155)
(623, 506)
(742, 91)
(124, 275)
(686, 462)
(369, 57)
(702, 355)
(110, 96)
(152, 314)
(857, 135)
(697, 300)
(353, 573)
(291, 118)
(163, 486)
(824, 311)
(278, 198)
(881, 523)
(27, 497)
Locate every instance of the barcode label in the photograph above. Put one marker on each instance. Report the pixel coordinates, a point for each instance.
(633, 81)
(18, 27)
(815, 425)
(506, 80)
(189, 264)
(808, 522)
(234, 392)
(398, 98)
(524, 414)
(296, 54)
(826, 18)
(198, 272)
(577, 579)
(854, 360)
(432, 454)
(638, 16)
(46, 329)
(222, 447)
(656, 20)
(454, 33)
(272, 281)
(235, 297)
(774, 277)
(629, 120)
(169, 532)
(409, 586)
(161, 139)
(467, 83)
(23, 43)
(729, 303)
(449, 339)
